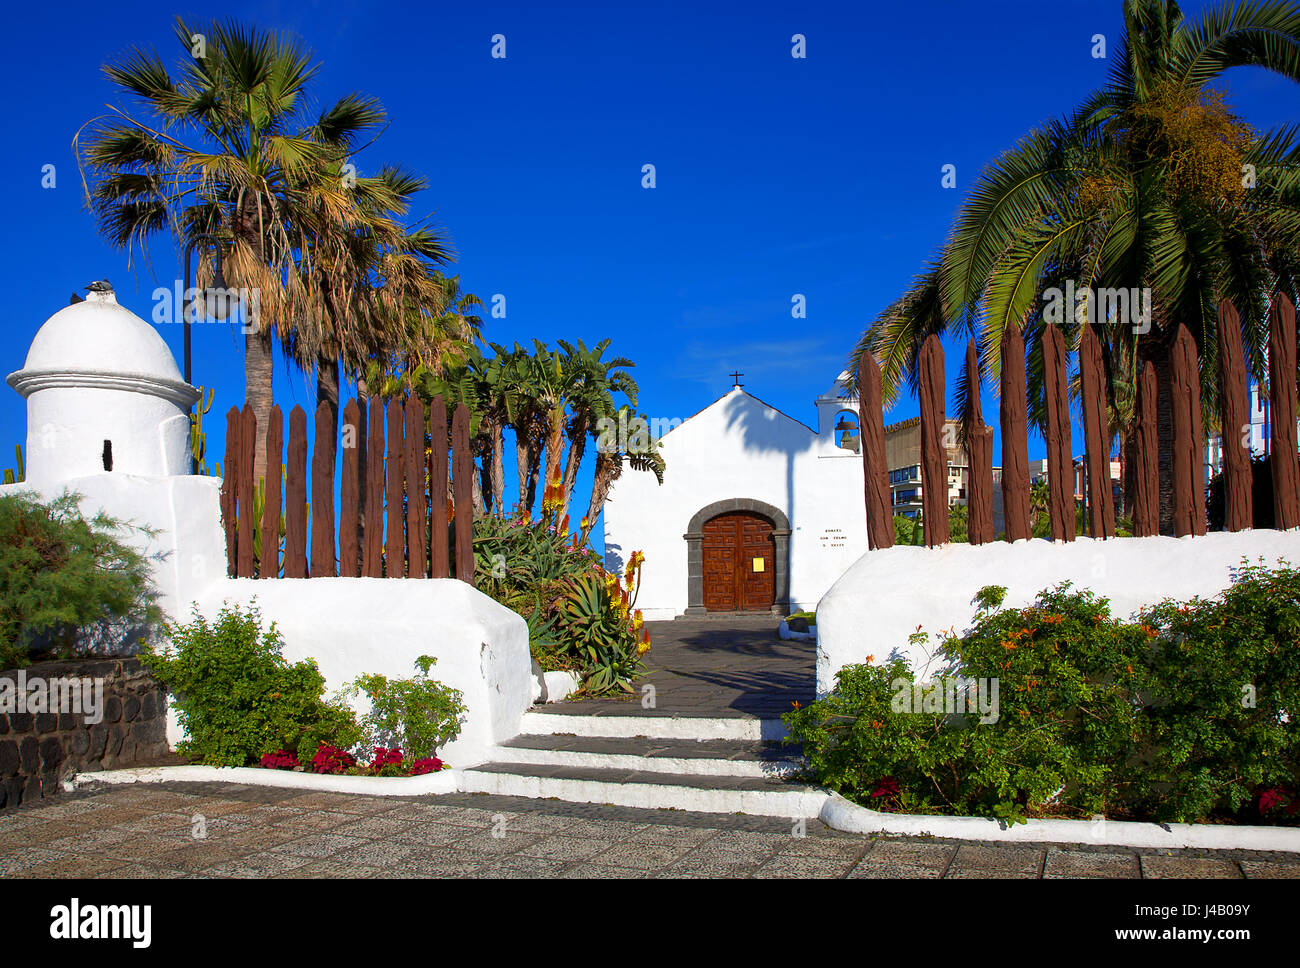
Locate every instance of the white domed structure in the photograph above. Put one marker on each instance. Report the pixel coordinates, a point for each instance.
(103, 396)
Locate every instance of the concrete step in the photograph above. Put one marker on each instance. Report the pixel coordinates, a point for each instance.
(653, 727)
(756, 796)
(684, 757)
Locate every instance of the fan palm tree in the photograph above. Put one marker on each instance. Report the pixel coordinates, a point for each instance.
(225, 147)
(1151, 184)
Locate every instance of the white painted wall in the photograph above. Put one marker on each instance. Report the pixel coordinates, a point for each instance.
(739, 447)
(887, 593)
(352, 626)
(188, 551)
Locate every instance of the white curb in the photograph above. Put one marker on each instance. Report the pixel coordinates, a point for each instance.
(841, 814)
(444, 781)
(792, 802)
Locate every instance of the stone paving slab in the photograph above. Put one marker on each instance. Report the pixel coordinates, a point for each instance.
(735, 666)
(147, 831)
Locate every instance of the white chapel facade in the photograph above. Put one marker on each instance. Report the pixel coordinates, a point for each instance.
(757, 512)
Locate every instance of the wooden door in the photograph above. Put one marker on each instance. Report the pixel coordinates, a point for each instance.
(739, 563)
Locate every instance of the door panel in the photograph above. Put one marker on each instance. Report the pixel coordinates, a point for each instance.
(739, 562)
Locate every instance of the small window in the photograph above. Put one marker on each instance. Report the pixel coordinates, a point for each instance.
(108, 455)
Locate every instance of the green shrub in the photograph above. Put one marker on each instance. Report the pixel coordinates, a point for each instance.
(419, 715)
(580, 617)
(603, 633)
(239, 699)
(61, 573)
(1145, 719)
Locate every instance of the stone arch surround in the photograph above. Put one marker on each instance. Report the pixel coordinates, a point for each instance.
(695, 551)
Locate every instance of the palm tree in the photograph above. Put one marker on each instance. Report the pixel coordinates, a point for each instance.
(595, 381)
(1151, 183)
(225, 147)
(609, 467)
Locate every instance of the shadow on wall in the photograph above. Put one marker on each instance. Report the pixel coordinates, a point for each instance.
(771, 431)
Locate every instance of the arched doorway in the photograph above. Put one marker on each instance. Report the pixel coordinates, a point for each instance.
(739, 563)
(737, 558)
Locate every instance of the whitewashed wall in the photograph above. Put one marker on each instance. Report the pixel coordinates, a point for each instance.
(352, 626)
(882, 599)
(741, 448)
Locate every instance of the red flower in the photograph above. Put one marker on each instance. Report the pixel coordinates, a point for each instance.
(331, 759)
(886, 786)
(279, 760)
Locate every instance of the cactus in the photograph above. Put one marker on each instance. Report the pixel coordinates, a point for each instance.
(16, 477)
(198, 438)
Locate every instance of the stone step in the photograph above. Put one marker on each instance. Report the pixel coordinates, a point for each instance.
(743, 758)
(756, 796)
(653, 727)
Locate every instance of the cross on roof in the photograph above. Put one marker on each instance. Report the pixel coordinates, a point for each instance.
(736, 376)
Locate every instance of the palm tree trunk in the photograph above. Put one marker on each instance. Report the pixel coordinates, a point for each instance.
(258, 369)
(498, 475)
(522, 467)
(327, 389)
(577, 444)
(608, 467)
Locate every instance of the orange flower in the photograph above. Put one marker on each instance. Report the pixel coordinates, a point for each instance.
(796, 705)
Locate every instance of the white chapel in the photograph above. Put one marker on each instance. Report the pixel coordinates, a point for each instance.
(757, 511)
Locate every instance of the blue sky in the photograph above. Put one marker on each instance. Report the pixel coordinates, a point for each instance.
(775, 175)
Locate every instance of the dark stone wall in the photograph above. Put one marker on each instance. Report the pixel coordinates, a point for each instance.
(38, 751)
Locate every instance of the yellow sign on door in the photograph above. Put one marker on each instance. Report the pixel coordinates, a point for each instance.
(760, 564)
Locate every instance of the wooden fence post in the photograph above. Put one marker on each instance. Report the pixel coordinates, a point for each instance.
(1060, 459)
(245, 490)
(229, 486)
(322, 494)
(1146, 455)
(295, 497)
(416, 509)
(934, 463)
(1189, 441)
(439, 546)
(1234, 421)
(349, 493)
(373, 562)
(979, 451)
(269, 566)
(396, 564)
(1282, 394)
(463, 484)
(1096, 435)
(875, 469)
(1015, 439)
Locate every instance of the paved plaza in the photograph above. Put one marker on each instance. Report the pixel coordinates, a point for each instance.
(724, 666)
(151, 831)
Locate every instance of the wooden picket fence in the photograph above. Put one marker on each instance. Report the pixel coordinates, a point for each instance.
(1188, 437)
(416, 516)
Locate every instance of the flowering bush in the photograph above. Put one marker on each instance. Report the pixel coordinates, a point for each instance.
(331, 759)
(280, 760)
(429, 764)
(419, 714)
(1187, 713)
